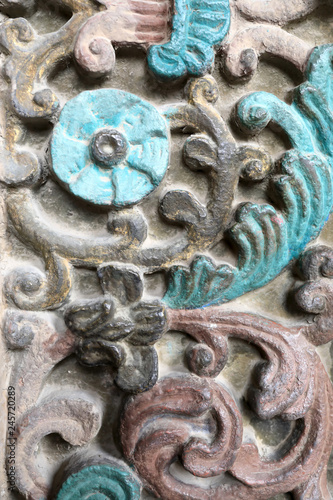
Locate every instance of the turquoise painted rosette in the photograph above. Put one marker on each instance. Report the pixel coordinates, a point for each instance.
(110, 147)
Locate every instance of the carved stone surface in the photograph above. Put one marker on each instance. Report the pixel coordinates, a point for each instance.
(167, 249)
(110, 148)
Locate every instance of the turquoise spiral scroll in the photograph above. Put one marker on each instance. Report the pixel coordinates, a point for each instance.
(101, 482)
(197, 26)
(268, 237)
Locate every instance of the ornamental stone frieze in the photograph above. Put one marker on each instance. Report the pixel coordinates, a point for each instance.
(166, 249)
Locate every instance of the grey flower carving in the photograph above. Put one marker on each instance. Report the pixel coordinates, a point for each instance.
(119, 329)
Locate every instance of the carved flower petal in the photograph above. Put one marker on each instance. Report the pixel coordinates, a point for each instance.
(121, 281)
(124, 143)
(100, 352)
(150, 323)
(88, 315)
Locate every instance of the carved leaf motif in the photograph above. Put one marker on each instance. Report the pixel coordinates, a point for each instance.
(152, 445)
(31, 289)
(123, 282)
(267, 238)
(315, 296)
(173, 399)
(285, 379)
(197, 26)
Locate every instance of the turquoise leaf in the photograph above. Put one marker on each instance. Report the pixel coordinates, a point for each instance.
(198, 25)
(268, 237)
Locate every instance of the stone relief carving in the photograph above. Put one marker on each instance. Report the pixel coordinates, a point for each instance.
(119, 202)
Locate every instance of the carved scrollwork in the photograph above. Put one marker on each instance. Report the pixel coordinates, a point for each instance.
(285, 381)
(137, 23)
(42, 348)
(28, 76)
(110, 151)
(82, 414)
(18, 167)
(175, 398)
(31, 289)
(268, 238)
(196, 28)
(282, 390)
(242, 52)
(211, 150)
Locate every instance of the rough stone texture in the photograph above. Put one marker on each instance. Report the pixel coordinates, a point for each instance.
(85, 324)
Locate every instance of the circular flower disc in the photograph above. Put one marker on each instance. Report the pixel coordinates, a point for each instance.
(110, 147)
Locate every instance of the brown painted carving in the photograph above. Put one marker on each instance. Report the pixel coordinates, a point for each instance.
(315, 297)
(291, 382)
(286, 381)
(176, 398)
(185, 435)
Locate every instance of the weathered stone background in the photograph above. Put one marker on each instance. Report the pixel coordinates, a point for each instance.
(273, 75)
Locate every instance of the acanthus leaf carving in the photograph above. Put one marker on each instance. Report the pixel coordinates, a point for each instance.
(267, 238)
(301, 469)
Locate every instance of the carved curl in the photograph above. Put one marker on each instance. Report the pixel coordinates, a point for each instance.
(123, 23)
(75, 416)
(175, 398)
(160, 426)
(315, 267)
(98, 474)
(42, 345)
(244, 50)
(285, 381)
